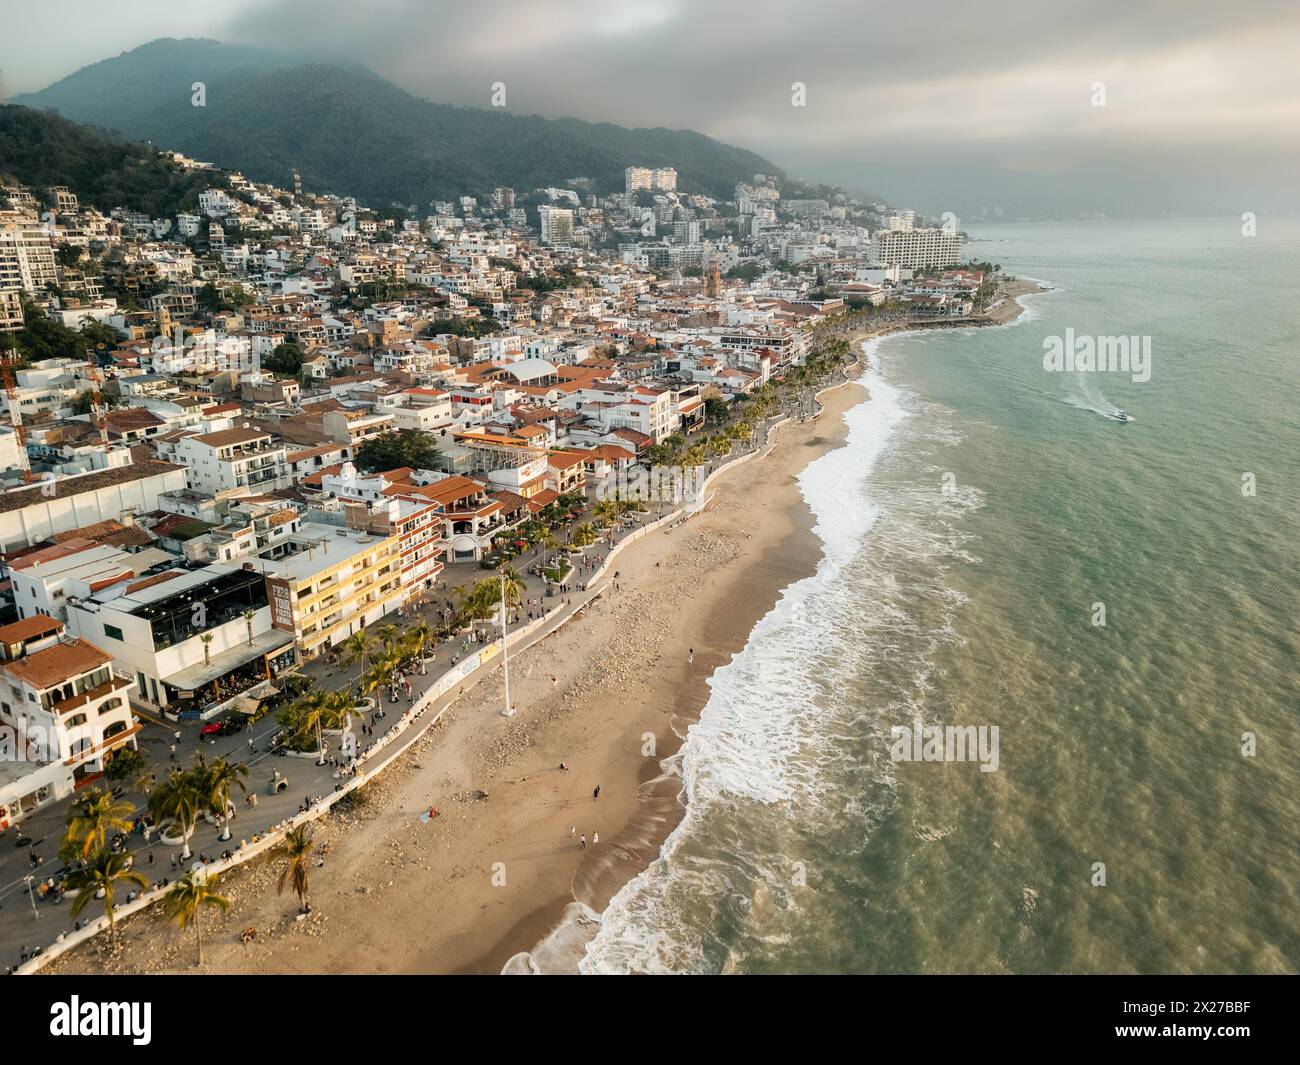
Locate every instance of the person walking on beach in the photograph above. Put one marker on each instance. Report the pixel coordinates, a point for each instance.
(584, 841)
(573, 831)
(690, 657)
(596, 793)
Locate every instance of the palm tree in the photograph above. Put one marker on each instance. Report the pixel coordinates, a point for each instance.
(297, 854)
(248, 620)
(187, 895)
(102, 872)
(478, 602)
(463, 596)
(420, 638)
(584, 535)
(355, 648)
(514, 583)
(371, 681)
(547, 540)
(207, 639)
(308, 712)
(335, 708)
(388, 634)
(90, 820)
(221, 774)
(180, 798)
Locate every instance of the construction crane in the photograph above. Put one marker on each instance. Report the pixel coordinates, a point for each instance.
(97, 408)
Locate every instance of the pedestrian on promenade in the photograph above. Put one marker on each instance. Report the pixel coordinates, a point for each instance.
(173, 752)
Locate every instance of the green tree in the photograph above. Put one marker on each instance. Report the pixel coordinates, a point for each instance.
(715, 409)
(404, 447)
(180, 799)
(126, 764)
(185, 899)
(102, 872)
(91, 819)
(220, 776)
(286, 359)
(296, 853)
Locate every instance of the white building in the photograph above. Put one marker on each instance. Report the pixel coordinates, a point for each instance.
(557, 224)
(63, 697)
(916, 248)
(193, 640)
(241, 461)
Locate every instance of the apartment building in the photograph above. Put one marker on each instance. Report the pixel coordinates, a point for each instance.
(62, 695)
(26, 254)
(11, 308)
(231, 461)
(32, 512)
(333, 582)
(647, 410)
(44, 580)
(422, 408)
(557, 224)
(916, 248)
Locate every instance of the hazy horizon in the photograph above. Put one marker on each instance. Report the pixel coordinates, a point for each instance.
(1197, 109)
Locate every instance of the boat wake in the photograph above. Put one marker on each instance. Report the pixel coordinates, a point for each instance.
(1086, 396)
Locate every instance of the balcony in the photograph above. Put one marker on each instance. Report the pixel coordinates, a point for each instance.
(117, 682)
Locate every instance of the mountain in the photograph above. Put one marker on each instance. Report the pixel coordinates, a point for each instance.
(39, 149)
(348, 131)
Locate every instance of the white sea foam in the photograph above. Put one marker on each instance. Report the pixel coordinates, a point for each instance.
(756, 733)
(766, 765)
(562, 948)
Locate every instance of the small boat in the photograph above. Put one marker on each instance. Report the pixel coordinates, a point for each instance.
(1120, 416)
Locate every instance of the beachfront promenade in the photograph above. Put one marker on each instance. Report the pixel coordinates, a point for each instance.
(383, 734)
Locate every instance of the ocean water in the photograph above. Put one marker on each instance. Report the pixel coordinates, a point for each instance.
(981, 512)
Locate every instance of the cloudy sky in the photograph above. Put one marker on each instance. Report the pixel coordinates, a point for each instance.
(939, 104)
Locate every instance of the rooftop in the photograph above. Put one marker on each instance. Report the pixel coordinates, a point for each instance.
(80, 484)
(59, 663)
(29, 629)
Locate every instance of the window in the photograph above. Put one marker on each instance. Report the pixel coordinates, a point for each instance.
(110, 704)
(113, 632)
(75, 720)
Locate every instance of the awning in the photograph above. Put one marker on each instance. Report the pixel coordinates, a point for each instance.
(194, 677)
(247, 704)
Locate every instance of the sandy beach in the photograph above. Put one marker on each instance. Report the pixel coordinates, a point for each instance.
(611, 695)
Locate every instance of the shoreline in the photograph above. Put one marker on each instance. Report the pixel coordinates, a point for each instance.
(501, 863)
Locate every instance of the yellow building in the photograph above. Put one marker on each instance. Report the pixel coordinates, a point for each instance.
(334, 582)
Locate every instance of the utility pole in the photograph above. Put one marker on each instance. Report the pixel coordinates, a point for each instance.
(509, 710)
(30, 894)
